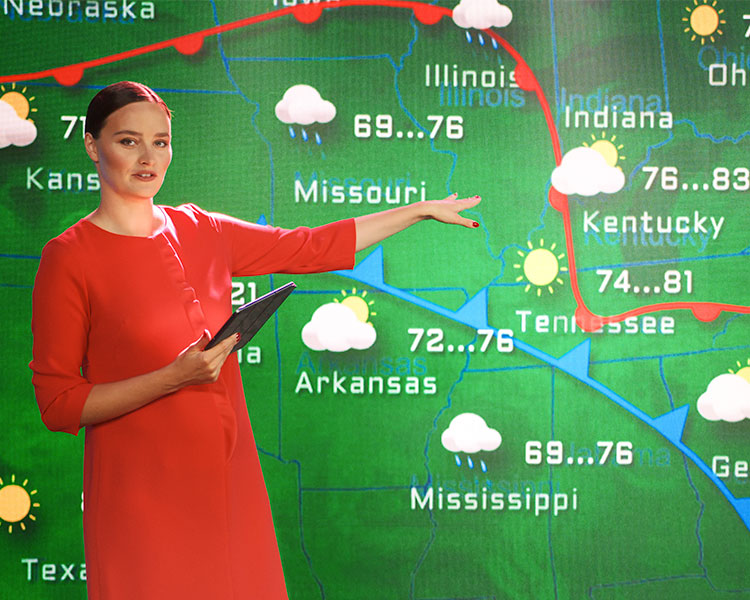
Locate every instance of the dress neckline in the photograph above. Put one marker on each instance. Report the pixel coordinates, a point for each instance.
(153, 235)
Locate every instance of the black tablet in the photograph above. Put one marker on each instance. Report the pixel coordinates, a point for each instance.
(249, 318)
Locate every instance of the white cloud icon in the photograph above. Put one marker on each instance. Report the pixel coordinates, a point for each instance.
(335, 327)
(481, 14)
(585, 172)
(14, 131)
(727, 398)
(303, 104)
(469, 433)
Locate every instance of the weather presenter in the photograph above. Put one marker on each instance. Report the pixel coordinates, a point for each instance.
(567, 381)
(123, 304)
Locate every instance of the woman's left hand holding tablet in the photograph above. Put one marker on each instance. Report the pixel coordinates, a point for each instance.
(195, 366)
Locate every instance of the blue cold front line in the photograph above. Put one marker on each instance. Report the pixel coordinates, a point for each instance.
(575, 363)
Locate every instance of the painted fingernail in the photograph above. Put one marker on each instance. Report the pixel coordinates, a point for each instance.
(475, 224)
(479, 197)
(236, 337)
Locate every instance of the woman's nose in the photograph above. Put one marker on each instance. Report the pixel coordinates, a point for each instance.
(146, 156)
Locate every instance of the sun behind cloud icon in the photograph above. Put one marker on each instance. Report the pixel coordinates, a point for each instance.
(16, 129)
(608, 148)
(357, 304)
(727, 398)
(743, 372)
(584, 171)
(341, 326)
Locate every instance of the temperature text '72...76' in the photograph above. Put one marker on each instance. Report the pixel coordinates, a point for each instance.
(435, 340)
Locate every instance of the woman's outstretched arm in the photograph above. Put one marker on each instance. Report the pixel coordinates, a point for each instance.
(375, 227)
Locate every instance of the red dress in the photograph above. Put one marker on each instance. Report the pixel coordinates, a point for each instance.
(174, 500)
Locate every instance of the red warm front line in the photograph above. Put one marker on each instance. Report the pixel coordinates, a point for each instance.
(428, 15)
(192, 42)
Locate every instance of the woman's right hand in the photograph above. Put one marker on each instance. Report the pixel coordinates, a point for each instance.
(195, 366)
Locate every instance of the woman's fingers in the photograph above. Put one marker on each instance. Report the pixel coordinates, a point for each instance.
(470, 202)
(227, 346)
(216, 356)
(201, 342)
(448, 209)
(197, 365)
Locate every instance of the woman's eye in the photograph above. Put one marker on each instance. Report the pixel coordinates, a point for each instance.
(127, 142)
(161, 144)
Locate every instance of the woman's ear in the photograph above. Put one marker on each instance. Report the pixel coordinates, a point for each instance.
(90, 143)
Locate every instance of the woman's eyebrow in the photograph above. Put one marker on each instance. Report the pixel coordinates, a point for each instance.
(138, 133)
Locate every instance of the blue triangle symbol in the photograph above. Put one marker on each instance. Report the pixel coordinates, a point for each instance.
(474, 312)
(672, 424)
(576, 360)
(370, 270)
(262, 220)
(742, 506)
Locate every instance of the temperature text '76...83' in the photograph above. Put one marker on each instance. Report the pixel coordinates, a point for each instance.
(723, 179)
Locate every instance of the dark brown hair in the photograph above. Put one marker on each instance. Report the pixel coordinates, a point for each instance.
(114, 97)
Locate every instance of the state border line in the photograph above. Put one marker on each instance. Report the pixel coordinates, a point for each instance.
(575, 362)
(426, 14)
(474, 312)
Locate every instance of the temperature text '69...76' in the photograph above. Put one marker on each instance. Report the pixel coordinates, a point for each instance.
(381, 126)
(553, 453)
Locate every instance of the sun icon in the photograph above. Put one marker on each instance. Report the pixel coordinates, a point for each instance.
(743, 372)
(608, 148)
(18, 101)
(357, 304)
(15, 503)
(541, 267)
(704, 20)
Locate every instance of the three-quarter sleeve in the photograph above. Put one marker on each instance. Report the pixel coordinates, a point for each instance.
(261, 249)
(59, 323)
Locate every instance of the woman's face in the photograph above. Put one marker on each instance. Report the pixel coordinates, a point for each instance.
(133, 151)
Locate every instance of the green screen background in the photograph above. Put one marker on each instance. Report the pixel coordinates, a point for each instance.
(340, 469)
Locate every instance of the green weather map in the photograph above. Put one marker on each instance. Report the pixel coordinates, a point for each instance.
(553, 405)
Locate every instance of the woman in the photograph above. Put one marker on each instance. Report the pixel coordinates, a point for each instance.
(123, 304)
